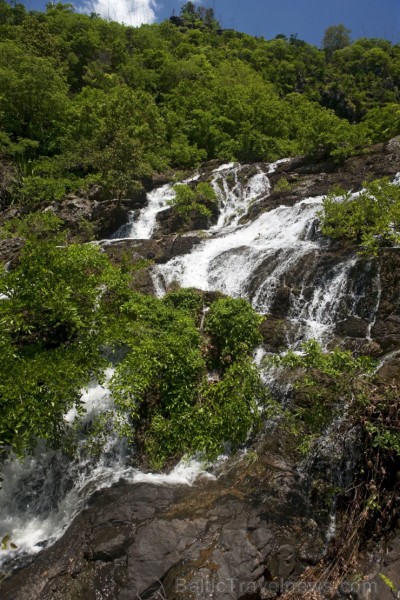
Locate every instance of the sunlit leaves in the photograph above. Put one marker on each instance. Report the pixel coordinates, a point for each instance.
(370, 219)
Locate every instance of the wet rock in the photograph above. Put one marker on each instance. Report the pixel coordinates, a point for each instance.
(73, 209)
(109, 543)
(10, 250)
(9, 213)
(352, 327)
(380, 571)
(281, 303)
(392, 147)
(386, 330)
(110, 216)
(169, 221)
(303, 177)
(217, 539)
(390, 371)
(158, 250)
(96, 211)
(133, 252)
(360, 346)
(277, 334)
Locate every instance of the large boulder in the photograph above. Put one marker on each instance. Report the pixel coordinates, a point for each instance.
(240, 536)
(386, 329)
(158, 250)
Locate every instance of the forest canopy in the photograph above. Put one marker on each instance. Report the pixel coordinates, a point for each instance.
(85, 101)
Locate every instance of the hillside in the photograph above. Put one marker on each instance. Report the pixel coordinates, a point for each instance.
(87, 103)
(199, 311)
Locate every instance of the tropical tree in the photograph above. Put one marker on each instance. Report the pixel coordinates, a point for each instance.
(335, 38)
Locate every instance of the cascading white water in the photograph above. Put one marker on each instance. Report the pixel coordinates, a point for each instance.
(234, 199)
(227, 261)
(143, 227)
(318, 314)
(144, 222)
(254, 260)
(41, 495)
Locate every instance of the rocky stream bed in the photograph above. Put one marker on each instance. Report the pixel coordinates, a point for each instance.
(252, 525)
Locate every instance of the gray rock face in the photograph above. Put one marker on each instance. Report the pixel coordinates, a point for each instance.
(218, 539)
(105, 215)
(157, 250)
(386, 330)
(243, 536)
(10, 250)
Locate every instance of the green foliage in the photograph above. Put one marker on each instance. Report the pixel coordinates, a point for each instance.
(33, 95)
(225, 412)
(323, 382)
(233, 327)
(120, 135)
(380, 404)
(336, 37)
(88, 101)
(115, 103)
(34, 225)
(383, 123)
(333, 364)
(198, 201)
(187, 300)
(389, 583)
(52, 313)
(38, 191)
(63, 304)
(282, 186)
(163, 384)
(370, 219)
(198, 16)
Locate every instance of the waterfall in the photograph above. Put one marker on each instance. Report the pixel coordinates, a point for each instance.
(282, 247)
(143, 226)
(281, 250)
(41, 494)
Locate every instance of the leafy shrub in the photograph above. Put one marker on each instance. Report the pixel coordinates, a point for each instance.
(52, 316)
(234, 328)
(186, 299)
(36, 190)
(162, 383)
(323, 383)
(225, 412)
(369, 219)
(33, 225)
(200, 200)
(63, 304)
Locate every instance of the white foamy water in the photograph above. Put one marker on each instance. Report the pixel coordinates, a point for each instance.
(227, 262)
(144, 224)
(318, 314)
(233, 196)
(41, 495)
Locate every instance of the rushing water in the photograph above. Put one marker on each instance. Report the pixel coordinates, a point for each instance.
(42, 494)
(256, 259)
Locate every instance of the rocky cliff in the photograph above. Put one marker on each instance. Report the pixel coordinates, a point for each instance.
(264, 519)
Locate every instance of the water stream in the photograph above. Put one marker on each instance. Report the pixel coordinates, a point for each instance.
(281, 249)
(42, 494)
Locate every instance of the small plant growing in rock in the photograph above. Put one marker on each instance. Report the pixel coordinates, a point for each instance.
(282, 186)
(370, 219)
(201, 200)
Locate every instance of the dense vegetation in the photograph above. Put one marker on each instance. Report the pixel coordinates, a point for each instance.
(86, 101)
(334, 388)
(370, 218)
(64, 308)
